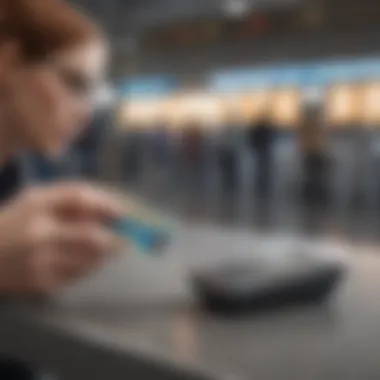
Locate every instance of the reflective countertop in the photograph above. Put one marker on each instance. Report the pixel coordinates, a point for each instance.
(336, 340)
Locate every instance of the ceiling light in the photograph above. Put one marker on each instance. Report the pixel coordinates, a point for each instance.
(236, 8)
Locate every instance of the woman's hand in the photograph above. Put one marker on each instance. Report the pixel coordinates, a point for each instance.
(52, 236)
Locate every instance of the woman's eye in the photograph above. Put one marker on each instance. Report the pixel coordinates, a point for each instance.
(77, 83)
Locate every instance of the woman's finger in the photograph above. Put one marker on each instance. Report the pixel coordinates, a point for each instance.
(86, 236)
(72, 266)
(83, 198)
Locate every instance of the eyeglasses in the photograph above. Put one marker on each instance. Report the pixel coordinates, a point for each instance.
(78, 84)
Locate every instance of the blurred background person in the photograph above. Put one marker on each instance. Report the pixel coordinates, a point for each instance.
(193, 156)
(261, 135)
(315, 163)
(161, 152)
(161, 144)
(229, 154)
(133, 154)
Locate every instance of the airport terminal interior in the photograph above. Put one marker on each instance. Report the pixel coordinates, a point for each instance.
(249, 131)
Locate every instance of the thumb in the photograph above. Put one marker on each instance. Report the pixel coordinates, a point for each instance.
(83, 198)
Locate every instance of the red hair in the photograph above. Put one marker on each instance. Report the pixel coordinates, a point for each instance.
(43, 27)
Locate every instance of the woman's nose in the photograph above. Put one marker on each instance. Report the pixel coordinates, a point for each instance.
(82, 115)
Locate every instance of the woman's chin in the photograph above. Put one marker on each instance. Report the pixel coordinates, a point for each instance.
(54, 152)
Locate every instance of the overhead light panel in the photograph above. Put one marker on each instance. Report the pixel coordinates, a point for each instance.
(236, 8)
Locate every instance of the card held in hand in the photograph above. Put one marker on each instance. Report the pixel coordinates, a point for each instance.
(146, 237)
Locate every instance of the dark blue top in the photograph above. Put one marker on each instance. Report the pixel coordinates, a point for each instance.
(26, 170)
(10, 180)
(31, 168)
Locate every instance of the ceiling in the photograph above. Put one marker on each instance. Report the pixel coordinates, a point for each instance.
(125, 19)
(124, 16)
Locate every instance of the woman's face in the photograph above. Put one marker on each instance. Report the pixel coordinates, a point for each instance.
(50, 103)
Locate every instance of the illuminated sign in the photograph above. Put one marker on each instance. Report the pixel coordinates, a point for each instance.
(149, 86)
(314, 74)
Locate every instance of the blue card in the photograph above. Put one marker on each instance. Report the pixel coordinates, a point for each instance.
(147, 238)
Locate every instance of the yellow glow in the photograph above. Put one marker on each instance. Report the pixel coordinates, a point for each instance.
(371, 103)
(143, 113)
(343, 104)
(286, 108)
(231, 107)
(203, 108)
(168, 112)
(255, 104)
(176, 111)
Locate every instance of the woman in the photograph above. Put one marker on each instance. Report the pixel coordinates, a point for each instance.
(51, 58)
